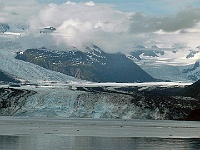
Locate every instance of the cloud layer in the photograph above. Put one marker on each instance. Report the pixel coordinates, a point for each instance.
(185, 19)
(83, 23)
(79, 24)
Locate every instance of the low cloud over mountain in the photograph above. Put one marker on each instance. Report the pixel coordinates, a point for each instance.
(82, 23)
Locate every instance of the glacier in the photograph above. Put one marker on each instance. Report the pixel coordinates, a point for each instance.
(112, 101)
(53, 94)
(26, 71)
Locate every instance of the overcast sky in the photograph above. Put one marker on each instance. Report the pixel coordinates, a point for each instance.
(115, 25)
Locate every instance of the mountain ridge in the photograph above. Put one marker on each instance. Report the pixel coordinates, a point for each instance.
(93, 64)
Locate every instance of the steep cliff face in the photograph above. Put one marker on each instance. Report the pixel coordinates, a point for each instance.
(98, 102)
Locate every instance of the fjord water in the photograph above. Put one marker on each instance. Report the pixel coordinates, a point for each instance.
(50, 142)
(19, 133)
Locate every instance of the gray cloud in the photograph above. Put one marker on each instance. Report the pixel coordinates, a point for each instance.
(96, 23)
(100, 24)
(185, 19)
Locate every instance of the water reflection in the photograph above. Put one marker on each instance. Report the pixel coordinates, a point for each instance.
(50, 142)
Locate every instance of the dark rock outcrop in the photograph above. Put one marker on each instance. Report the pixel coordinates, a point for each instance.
(192, 90)
(194, 115)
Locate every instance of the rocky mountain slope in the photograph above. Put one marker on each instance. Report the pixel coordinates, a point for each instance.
(24, 71)
(92, 64)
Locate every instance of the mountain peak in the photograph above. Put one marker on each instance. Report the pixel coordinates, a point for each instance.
(93, 65)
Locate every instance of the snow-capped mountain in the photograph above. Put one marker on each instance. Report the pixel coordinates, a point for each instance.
(52, 93)
(92, 64)
(178, 63)
(24, 71)
(175, 64)
(48, 98)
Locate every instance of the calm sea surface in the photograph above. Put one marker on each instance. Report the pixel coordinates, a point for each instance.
(52, 142)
